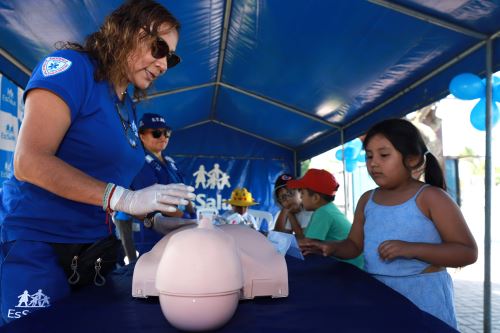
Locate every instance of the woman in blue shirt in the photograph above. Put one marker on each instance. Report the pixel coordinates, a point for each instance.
(78, 151)
(158, 168)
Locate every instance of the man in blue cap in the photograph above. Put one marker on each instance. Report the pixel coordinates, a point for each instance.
(157, 169)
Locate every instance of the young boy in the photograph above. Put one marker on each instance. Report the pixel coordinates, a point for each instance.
(318, 189)
(292, 217)
(240, 200)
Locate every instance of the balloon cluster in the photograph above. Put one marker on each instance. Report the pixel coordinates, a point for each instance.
(353, 153)
(468, 86)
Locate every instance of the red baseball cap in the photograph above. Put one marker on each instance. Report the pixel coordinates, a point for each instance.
(316, 180)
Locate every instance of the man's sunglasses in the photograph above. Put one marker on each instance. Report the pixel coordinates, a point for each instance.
(157, 133)
(160, 49)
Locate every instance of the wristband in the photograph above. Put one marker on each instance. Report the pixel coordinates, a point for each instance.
(115, 197)
(108, 191)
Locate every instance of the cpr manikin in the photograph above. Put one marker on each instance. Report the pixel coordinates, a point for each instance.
(201, 271)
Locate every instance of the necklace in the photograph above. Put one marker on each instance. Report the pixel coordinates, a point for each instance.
(125, 116)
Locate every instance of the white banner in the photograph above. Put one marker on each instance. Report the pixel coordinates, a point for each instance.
(9, 127)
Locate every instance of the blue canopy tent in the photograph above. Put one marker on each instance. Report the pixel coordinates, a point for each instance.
(264, 85)
(300, 78)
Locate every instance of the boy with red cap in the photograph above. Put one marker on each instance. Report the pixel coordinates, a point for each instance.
(318, 189)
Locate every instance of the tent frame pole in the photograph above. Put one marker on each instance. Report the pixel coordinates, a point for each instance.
(430, 19)
(487, 193)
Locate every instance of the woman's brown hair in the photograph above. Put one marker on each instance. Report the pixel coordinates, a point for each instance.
(119, 35)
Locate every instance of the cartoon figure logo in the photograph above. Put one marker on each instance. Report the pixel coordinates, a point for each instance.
(27, 303)
(216, 178)
(37, 300)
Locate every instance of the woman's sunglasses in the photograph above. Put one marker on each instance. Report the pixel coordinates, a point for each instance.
(160, 49)
(157, 133)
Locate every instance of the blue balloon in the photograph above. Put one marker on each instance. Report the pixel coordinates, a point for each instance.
(478, 115)
(338, 154)
(496, 91)
(350, 165)
(467, 86)
(350, 153)
(362, 156)
(495, 83)
(357, 144)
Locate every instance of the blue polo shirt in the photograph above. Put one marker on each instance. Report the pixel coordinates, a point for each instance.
(155, 172)
(95, 143)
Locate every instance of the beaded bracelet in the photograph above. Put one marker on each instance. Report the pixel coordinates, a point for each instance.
(108, 192)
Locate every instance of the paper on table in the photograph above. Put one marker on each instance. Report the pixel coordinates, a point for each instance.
(285, 243)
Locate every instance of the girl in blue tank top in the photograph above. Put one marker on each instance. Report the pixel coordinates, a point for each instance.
(409, 231)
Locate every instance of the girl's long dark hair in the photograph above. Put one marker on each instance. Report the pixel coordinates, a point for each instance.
(406, 138)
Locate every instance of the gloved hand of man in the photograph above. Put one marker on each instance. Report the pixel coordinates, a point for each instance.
(163, 198)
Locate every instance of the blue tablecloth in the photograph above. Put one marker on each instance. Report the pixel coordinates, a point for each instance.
(325, 295)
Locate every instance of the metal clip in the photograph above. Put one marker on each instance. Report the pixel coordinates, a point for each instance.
(99, 280)
(75, 277)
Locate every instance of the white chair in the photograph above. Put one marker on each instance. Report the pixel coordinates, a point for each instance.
(261, 215)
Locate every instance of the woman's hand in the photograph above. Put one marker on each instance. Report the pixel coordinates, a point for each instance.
(163, 198)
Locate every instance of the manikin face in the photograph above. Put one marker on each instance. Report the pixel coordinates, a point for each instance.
(385, 163)
(142, 67)
(155, 145)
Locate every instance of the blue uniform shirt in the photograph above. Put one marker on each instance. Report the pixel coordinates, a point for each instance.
(95, 143)
(154, 172)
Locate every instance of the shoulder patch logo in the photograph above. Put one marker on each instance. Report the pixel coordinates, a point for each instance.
(55, 65)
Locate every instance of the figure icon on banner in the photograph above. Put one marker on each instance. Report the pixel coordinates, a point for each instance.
(216, 178)
(201, 175)
(223, 181)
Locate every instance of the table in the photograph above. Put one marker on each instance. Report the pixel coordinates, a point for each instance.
(325, 295)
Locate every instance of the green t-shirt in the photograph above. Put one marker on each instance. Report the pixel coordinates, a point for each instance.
(329, 223)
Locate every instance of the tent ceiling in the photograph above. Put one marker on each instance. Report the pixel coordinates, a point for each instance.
(301, 74)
